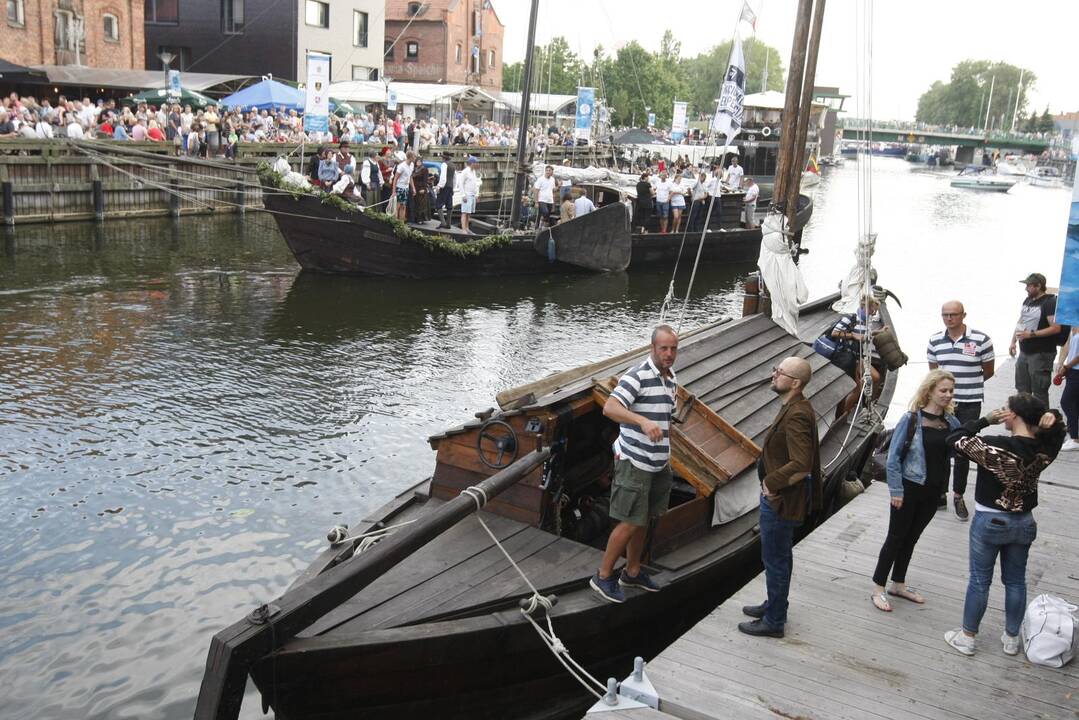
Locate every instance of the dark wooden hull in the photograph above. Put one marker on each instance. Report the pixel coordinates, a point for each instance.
(325, 239)
(459, 648)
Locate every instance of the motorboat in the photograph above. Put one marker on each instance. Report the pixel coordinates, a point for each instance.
(982, 177)
(1045, 176)
(1012, 165)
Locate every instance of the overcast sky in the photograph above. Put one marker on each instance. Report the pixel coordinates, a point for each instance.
(915, 41)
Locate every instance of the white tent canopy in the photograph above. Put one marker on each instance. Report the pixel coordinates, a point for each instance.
(468, 97)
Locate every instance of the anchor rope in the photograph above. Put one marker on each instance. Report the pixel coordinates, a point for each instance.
(536, 601)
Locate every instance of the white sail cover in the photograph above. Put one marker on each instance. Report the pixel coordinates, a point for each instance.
(859, 281)
(781, 276)
(730, 110)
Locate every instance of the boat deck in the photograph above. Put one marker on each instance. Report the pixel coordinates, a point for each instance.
(842, 658)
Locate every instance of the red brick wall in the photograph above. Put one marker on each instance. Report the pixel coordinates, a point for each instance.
(439, 30)
(33, 43)
(431, 64)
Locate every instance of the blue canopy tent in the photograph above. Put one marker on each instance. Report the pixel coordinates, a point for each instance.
(266, 95)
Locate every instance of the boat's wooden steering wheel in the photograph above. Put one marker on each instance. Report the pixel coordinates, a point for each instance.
(502, 436)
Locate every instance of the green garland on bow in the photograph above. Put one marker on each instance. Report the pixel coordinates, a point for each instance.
(441, 243)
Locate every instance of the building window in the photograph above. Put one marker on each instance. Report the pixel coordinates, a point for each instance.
(232, 17)
(162, 12)
(64, 30)
(15, 15)
(457, 54)
(359, 28)
(181, 57)
(112, 28)
(414, 8)
(388, 54)
(362, 72)
(318, 13)
(490, 59)
(412, 50)
(474, 60)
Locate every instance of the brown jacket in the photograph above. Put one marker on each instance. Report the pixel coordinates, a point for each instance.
(791, 451)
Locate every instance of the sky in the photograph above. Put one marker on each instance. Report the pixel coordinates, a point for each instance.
(914, 42)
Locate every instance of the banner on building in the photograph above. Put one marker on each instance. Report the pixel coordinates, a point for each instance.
(729, 111)
(586, 105)
(175, 92)
(678, 122)
(316, 111)
(1068, 299)
(391, 99)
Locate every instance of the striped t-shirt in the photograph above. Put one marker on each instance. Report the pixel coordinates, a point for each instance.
(856, 324)
(963, 358)
(643, 390)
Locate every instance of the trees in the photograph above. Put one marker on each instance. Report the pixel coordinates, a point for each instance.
(962, 100)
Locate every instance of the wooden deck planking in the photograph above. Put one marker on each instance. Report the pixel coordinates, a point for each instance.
(842, 658)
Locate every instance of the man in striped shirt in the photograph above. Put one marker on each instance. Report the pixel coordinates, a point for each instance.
(968, 355)
(641, 404)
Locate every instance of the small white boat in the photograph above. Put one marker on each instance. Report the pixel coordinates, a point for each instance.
(982, 177)
(1011, 165)
(1045, 176)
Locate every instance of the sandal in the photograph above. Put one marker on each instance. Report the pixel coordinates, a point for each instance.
(880, 602)
(908, 593)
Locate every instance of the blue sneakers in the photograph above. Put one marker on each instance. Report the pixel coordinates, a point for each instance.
(608, 589)
(641, 581)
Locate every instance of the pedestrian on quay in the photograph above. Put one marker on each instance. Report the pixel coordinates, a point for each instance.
(1068, 373)
(1005, 494)
(790, 474)
(1035, 333)
(544, 187)
(749, 202)
(444, 190)
(917, 472)
(968, 355)
(641, 404)
(470, 189)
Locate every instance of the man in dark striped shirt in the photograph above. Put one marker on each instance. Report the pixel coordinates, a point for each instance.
(641, 404)
(968, 355)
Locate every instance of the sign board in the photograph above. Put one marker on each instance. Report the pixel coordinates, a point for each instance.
(316, 111)
(586, 105)
(651, 119)
(391, 100)
(678, 122)
(174, 84)
(1068, 299)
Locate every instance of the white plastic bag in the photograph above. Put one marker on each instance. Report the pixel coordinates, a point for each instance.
(1050, 631)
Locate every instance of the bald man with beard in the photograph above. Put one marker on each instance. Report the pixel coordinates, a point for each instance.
(790, 474)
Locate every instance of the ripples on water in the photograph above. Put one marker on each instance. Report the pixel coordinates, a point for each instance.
(182, 415)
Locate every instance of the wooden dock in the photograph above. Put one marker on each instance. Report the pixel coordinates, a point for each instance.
(842, 658)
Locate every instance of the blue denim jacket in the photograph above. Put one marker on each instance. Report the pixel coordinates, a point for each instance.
(913, 466)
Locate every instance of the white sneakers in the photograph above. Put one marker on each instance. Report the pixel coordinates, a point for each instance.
(960, 641)
(1069, 444)
(964, 643)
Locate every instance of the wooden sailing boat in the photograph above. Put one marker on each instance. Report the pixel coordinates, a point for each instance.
(428, 620)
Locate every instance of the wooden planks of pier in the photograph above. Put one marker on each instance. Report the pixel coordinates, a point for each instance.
(842, 658)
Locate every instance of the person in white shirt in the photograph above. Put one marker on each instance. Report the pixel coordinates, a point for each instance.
(678, 204)
(74, 129)
(544, 188)
(734, 174)
(583, 204)
(470, 188)
(444, 190)
(663, 200)
(749, 202)
(402, 183)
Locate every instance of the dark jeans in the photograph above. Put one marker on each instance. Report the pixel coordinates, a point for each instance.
(965, 412)
(1010, 536)
(777, 543)
(1033, 372)
(1069, 401)
(905, 526)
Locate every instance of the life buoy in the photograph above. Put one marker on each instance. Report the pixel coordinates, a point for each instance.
(766, 131)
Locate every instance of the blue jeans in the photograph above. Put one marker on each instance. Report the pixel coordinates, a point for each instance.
(1009, 535)
(777, 541)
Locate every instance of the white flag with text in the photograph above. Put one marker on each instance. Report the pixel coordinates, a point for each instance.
(729, 111)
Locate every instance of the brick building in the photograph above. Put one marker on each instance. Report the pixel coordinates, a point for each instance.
(444, 41)
(94, 33)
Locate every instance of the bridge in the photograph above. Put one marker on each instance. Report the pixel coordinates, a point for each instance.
(913, 135)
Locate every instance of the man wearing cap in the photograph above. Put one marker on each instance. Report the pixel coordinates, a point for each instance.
(444, 190)
(1035, 333)
(470, 188)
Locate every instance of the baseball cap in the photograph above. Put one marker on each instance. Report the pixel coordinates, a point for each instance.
(1034, 278)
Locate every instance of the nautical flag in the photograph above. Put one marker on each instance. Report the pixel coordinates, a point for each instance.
(812, 165)
(748, 15)
(729, 111)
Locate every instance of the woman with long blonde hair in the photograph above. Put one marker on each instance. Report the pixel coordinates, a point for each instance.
(917, 472)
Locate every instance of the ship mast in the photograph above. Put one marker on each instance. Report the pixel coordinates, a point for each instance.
(521, 173)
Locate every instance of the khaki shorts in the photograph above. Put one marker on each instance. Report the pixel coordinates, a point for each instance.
(638, 495)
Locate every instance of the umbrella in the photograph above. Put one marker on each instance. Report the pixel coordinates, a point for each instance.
(161, 95)
(266, 95)
(12, 73)
(342, 108)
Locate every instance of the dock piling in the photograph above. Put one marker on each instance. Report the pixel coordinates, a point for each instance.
(9, 203)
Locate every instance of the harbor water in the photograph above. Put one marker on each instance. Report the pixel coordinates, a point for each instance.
(183, 414)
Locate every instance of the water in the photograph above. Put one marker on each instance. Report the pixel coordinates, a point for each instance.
(182, 415)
